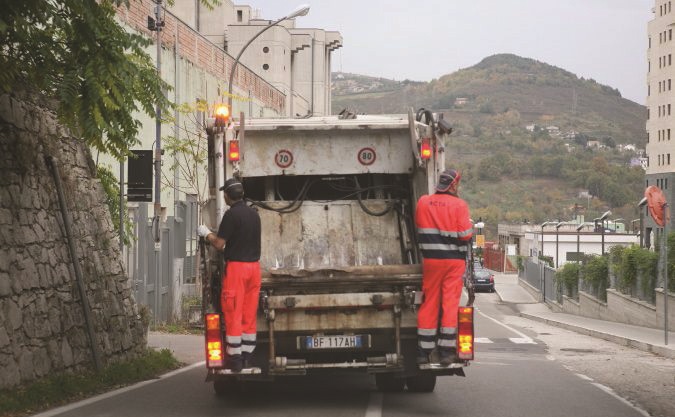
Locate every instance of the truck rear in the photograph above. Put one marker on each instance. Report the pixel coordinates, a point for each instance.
(342, 273)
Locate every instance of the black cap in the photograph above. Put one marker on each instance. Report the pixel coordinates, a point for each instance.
(232, 187)
(447, 179)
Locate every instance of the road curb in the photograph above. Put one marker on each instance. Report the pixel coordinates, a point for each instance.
(620, 340)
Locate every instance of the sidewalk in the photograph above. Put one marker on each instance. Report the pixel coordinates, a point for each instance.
(642, 338)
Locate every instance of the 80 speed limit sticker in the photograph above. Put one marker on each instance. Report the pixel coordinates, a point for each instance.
(366, 156)
(283, 158)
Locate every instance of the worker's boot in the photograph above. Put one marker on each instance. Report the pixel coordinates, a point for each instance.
(422, 356)
(235, 363)
(247, 359)
(447, 355)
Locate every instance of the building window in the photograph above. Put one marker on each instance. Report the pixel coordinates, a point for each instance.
(266, 67)
(670, 34)
(647, 137)
(668, 134)
(668, 84)
(670, 59)
(266, 49)
(665, 186)
(668, 159)
(669, 110)
(240, 16)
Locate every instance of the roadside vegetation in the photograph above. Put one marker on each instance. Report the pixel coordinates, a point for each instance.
(59, 389)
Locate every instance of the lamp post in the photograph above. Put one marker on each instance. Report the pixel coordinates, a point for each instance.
(299, 11)
(542, 236)
(557, 226)
(641, 204)
(602, 219)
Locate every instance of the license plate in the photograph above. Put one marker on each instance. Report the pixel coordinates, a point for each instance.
(334, 342)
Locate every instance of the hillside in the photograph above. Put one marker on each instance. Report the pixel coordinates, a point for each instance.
(522, 130)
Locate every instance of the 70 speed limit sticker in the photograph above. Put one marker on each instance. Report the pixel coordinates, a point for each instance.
(283, 158)
(367, 156)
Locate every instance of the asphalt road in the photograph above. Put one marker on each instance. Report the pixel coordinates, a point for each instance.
(513, 375)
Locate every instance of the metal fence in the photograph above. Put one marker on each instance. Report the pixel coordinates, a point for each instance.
(163, 273)
(542, 277)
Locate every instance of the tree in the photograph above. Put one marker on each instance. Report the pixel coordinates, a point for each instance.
(76, 53)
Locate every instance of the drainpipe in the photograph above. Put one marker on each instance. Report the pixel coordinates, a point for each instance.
(311, 108)
(68, 226)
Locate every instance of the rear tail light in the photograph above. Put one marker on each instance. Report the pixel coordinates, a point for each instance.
(214, 341)
(465, 333)
(233, 154)
(492, 278)
(425, 149)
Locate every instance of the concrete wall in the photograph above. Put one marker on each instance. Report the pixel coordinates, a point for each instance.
(42, 327)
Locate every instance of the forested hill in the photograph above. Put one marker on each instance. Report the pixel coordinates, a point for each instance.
(531, 138)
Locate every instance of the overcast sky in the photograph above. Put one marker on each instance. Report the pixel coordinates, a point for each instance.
(420, 40)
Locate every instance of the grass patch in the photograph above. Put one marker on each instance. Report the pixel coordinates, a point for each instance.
(65, 388)
(179, 328)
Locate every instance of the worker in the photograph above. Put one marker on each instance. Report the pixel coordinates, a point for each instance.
(239, 235)
(444, 234)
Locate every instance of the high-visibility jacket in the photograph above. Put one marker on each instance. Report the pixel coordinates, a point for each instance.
(443, 226)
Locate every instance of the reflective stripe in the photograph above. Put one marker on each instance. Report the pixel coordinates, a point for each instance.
(248, 337)
(448, 330)
(465, 233)
(427, 345)
(247, 348)
(441, 246)
(231, 350)
(426, 332)
(446, 342)
(233, 340)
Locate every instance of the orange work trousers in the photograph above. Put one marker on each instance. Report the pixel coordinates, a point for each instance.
(239, 302)
(442, 285)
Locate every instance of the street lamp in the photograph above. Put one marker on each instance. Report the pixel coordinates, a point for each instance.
(602, 219)
(542, 236)
(557, 226)
(301, 10)
(641, 204)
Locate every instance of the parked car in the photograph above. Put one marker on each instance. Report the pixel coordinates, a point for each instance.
(483, 279)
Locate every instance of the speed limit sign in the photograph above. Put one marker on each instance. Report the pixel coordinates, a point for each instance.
(366, 156)
(283, 158)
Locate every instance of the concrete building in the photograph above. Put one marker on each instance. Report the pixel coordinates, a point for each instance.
(564, 243)
(661, 115)
(296, 61)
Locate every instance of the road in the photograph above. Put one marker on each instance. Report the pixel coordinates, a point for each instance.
(514, 375)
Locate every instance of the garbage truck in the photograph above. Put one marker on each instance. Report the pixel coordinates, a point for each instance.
(341, 270)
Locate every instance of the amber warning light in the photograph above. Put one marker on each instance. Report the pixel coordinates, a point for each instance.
(233, 154)
(465, 342)
(222, 114)
(214, 342)
(425, 150)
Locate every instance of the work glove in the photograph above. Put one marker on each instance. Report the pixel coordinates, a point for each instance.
(203, 231)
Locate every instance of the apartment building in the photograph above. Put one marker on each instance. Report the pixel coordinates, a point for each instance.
(296, 61)
(661, 109)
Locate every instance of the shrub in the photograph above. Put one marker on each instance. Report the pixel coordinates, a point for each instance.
(567, 277)
(596, 274)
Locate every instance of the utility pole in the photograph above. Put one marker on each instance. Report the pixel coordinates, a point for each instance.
(156, 25)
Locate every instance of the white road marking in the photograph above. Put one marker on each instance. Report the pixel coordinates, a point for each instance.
(611, 392)
(69, 407)
(522, 340)
(522, 335)
(374, 405)
(584, 377)
(483, 340)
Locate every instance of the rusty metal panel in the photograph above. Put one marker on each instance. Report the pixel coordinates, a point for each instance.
(366, 299)
(332, 321)
(329, 235)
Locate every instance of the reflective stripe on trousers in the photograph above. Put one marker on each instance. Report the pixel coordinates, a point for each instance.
(442, 285)
(239, 302)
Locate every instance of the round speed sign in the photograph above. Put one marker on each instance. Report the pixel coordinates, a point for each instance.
(367, 156)
(283, 158)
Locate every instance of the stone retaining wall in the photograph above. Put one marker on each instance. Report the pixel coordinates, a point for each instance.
(42, 327)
